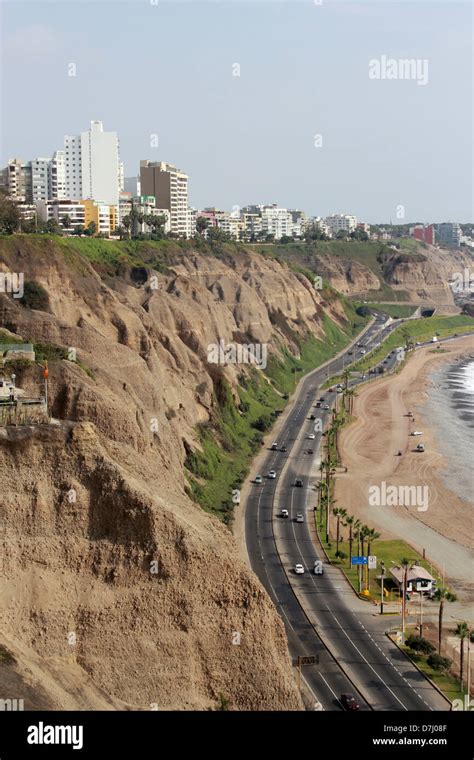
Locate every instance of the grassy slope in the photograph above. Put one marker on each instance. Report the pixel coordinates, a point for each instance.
(225, 460)
(396, 311)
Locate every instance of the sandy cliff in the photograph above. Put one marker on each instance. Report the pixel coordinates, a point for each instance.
(118, 591)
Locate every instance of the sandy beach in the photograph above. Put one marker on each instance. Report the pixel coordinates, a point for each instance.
(434, 518)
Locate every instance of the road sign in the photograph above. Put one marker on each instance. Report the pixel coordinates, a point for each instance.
(372, 563)
(359, 560)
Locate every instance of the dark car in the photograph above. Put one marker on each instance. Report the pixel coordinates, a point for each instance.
(312, 416)
(349, 702)
(318, 405)
(298, 483)
(283, 448)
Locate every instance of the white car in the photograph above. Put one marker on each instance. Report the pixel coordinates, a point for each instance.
(363, 351)
(417, 432)
(299, 569)
(284, 513)
(318, 706)
(272, 474)
(258, 480)
(311, 436)
(299, 517)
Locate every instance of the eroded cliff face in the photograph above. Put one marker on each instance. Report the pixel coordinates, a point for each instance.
(119, 591)
(423, 275)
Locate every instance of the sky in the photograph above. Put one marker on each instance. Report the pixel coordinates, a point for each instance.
(258, 101)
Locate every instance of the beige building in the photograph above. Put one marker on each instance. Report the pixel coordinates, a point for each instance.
(169, 185)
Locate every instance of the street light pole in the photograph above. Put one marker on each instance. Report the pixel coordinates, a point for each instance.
(421, 614)
(382, 576)
(468, 666)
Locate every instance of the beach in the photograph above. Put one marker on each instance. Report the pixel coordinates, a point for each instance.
(430, 493)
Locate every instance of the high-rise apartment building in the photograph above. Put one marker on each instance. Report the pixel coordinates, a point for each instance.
(449, 233)
(39, 179)
(92, 165)
(169, 185)
(16, 180)
(57, 176)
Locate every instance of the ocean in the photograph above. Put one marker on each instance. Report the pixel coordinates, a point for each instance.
(450, 409)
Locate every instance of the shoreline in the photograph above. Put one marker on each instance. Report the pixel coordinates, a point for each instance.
(368, 447)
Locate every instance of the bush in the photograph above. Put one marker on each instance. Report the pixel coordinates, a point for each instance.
(35, 297)
(438, 662)
(419, 644)
(341, 554)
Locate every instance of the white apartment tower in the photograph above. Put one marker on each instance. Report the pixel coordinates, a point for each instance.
(92, 165)
(57, 176)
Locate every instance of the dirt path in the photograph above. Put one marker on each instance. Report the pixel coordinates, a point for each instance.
(437, 519)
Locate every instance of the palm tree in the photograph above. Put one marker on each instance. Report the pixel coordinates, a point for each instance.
(463, 632)
(353, 524)
(66, 221)
(363, 533)
(372, 536)
(339, 513)
(442, 595)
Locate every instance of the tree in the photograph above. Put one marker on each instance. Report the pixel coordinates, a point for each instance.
(79, 230)
(339, 513)
(10, 216)
(201, 225)
(91, 229)
(53, 227)
(462, 631)
(419, 644)
(442, 595)
(66, 222)
(353, 527)
(127, 224)
(372, 536)
(341, 235)
(437, 662)
(155, 224)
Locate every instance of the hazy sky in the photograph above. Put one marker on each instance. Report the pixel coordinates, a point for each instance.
(168, 69)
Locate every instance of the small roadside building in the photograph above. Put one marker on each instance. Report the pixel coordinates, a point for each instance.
(418, 579)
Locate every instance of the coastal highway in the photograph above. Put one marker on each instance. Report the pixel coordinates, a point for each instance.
(322, 616)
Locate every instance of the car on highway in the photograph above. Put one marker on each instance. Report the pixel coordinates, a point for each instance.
(326, 406)
(284, 513)
(299, 518)
(258, 480)
(299, 569)
(318, 404)
(298, 483)
(274, 446)
(283, 449)
(310, 451)
(272, 475)
(363, 351)
(312, 416)
(311, 436)
(317, 707)
(417, 432)
(321, 398)
(349, 702)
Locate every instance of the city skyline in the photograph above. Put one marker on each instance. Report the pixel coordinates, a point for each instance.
(312, 131)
